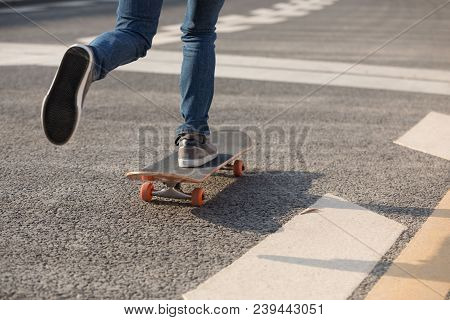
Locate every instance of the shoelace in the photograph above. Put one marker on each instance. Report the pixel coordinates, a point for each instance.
(191, 138)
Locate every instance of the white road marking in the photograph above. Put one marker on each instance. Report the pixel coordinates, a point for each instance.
(23, 9)
(431, 135)
(258, 68)
(47, 6)
(279, 12)
(73, 3)
(323, 254)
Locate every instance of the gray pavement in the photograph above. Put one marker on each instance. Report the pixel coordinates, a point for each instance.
(71, 225)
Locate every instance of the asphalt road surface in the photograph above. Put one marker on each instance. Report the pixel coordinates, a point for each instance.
(72, 226)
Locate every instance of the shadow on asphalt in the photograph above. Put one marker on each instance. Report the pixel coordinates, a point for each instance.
(259, 201)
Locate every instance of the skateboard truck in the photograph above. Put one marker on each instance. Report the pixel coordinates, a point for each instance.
(171, 190)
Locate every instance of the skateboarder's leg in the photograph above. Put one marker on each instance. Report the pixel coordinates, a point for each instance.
(136, 24)
(137, 21)
(197, 81)
(199, 61)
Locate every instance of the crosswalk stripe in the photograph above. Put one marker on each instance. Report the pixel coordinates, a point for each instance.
(47, 6)
(422, 270)
(431, 135)
(323, 253)
(258, 68)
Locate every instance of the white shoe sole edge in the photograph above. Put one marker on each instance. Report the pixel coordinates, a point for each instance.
(79, 102)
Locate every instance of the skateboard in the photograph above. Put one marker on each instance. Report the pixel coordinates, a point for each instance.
(231, 144)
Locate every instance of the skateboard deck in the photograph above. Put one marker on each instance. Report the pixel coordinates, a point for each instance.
(231, 145)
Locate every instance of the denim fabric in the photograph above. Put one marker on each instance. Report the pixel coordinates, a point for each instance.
(137, 22)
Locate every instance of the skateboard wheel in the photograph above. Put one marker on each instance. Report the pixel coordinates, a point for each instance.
(146, 192)
(197, 197)
(238, 168)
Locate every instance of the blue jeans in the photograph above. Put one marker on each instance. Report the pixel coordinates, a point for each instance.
(137, 21)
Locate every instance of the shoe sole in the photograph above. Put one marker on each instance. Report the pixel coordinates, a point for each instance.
(62, 105)
(193, 163)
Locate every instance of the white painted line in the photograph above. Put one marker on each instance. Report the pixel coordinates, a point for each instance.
(279, 12)
(431, 135)
(72, 4)
(322, 254)
(258, 68)
(47, 6)
(23, 9)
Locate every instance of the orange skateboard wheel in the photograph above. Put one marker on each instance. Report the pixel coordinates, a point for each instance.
(238, 168)
(146, 178)
(197, 197)
(146, 192)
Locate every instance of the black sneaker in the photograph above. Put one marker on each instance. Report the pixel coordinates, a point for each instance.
(195, 150)
(61, 108)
